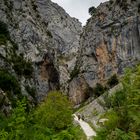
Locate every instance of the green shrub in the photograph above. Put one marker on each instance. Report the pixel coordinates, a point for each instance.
(10, 85)
(92, 10)
(8, 82)
(31, 91)
(57, 114)
(17, 121)
(113, 80)
(49, 34)
(113, 118)
(14, 125)
(3, 39)
(4, 29)
(114, 101)
(124, 123)
(99, 89)
(21, 66)
(4, 33)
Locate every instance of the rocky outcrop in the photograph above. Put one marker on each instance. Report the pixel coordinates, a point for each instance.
(79, 90)
(38, 45)
(110, 41)
(42, 48)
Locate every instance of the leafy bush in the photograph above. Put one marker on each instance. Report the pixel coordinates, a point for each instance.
(4, 33)
(58, 112)
(3, 29)
(8, 82)
(21, 66)
(113, 80)
(12, 128)
(99, 89)
(92, 10)
(125, 123)
(114, 100)
(113, 118)
(3, 39)
(31, 91)
(10, 85)
(17, 121)
(49, 34)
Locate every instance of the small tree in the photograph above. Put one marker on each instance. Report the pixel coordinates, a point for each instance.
(113, 80)
(92, 10)
(99, 89)
(55, 113)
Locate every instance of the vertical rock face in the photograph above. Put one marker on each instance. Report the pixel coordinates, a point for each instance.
(40, 49)
(43, 36)
(110, 41)
(78, 90)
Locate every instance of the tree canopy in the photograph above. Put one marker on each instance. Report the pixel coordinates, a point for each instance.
(55, 112)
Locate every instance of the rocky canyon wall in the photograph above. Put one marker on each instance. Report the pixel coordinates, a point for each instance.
(39, 43)
(109, 43)
(42, 48)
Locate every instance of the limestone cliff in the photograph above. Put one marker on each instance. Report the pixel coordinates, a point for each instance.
(42, 48)
(110, 40)
(38, 47)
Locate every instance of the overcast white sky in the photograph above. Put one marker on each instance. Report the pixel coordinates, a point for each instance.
(78, 8)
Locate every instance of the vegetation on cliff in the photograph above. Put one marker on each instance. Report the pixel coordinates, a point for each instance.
(4, 33)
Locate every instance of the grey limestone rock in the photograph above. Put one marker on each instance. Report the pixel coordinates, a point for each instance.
(44, 34)
(110, 41)
(47, 36)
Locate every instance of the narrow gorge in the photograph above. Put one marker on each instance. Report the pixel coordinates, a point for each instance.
(43, 49)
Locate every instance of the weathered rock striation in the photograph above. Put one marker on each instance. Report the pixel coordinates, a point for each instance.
(109, 43)
(42, 48)
(39, 43)
(110, 40)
